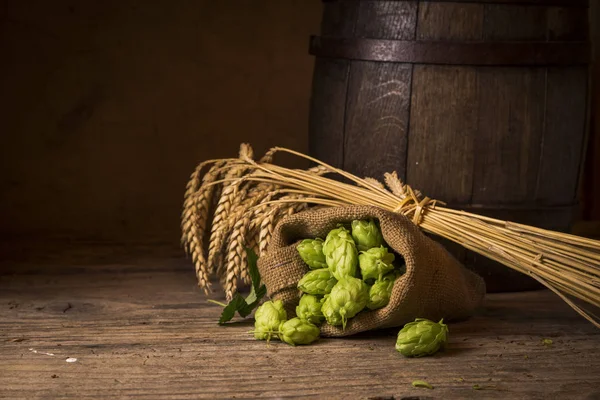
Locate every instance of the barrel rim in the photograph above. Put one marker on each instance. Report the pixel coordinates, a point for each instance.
(539, 3)
(452, 52)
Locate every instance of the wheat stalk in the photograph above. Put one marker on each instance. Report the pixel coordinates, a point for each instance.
(234, 266)
(241, 212)
(566, 264)
(236, 255)
(195, 218)
(228, 198)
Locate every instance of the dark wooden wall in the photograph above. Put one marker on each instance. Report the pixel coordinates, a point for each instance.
(106, 106)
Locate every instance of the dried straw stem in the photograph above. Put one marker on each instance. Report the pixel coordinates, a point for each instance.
(565, 263)
(255, 195)
(234, 266)
(229, 197)
(195, 218)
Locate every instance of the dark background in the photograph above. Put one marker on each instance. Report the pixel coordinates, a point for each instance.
(107, 106)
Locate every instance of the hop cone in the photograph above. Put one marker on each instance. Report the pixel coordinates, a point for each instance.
(317, 282)
(309, 309)
(311, 251)
(422, 338)
(298, 331)
(380, 292)
(267, 319)
(366, 234)
(347, 298)
(340, 253)
(375, 262)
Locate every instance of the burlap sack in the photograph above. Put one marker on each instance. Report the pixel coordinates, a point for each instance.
(435, 285)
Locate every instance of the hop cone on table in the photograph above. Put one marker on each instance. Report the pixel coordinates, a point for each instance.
(298, 331)
(380, 292)
(309, 309)
(317, 282)
(340, 253)
(366, 234)
(311, 251)
(422, 338)
(375, 262)
(267, 319)
(347, 298)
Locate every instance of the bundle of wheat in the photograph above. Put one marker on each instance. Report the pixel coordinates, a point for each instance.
(245, 198)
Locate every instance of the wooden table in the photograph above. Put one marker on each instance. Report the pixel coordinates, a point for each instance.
(142, 329)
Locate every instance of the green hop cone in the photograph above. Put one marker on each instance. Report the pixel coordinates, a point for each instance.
(375, 262)
(422, 338)
(311, 252)
(267, 319)
(366, 234)
(298, 331)
(309, 309)
(317, 282)
(340, 253)
(380, 292)
(347, 298)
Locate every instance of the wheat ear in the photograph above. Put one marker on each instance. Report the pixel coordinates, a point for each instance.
(195, 219)
(229, 196)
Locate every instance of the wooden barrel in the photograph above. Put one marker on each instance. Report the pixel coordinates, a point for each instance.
(479, 103)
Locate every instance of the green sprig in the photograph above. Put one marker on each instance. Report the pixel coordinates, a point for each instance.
(244, 306)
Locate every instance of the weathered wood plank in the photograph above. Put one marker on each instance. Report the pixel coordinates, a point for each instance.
(153, 335)
(395, 20)
(339, 18)
(511, 118)
(563, 137)
(443, 128)
(377, 118)
(327, 108)
(450, 21)
(378, 98)
(511, 22)
(566, 23)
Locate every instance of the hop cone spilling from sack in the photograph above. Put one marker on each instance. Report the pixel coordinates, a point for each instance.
(422, 338)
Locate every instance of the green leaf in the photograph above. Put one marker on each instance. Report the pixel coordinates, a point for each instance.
(253, 268)
(256, 291)
(422, 384)
(252, 301)
(234, 305)
(244, 307)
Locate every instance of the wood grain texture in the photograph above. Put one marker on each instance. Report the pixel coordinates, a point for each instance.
(377, 118)
(511, 115)
(155, 87)
(339, 18)
(450, 21)
(377, 110)
(443, 128)
(443, 122)
(151, 334)
(327, 109)
(568, 24)
(395, 20)
(512, 22)
(501, 140)
(591, 191)
(564, 133)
